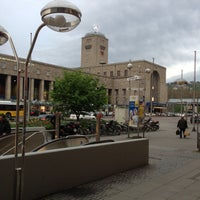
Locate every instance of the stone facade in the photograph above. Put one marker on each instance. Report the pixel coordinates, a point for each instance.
(94, 60)
(114, 76)
(94, 50)
(41, 78)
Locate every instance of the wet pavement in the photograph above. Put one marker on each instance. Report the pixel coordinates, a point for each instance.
(168, 157)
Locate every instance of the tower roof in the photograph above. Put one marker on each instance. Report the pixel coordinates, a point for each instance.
(94, 34)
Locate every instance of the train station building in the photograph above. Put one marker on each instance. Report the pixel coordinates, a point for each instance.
(122, 80)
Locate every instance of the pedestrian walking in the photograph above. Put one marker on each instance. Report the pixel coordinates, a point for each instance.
(4, 125)
(182, 125)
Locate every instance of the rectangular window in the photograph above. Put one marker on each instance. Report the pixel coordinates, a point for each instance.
(111, 74)
(126, 72)
(124, 92)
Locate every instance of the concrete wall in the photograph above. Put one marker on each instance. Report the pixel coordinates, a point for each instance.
(57, 170)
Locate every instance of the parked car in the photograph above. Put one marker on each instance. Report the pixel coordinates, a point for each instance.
(34, 113)
(170, 114)
(83, 115)
(37, 113)
(189, 113)
(149, 114)
(44, 117)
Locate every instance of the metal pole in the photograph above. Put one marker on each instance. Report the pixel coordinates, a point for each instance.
(152, 87)
(198, 133)
(151, 93)
(29, 92)
(194, 93)
(129, 66)
(17, 169)
(138, 122)
(129, 89)
(25, 103)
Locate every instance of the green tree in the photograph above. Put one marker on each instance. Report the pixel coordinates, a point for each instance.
(76, 92)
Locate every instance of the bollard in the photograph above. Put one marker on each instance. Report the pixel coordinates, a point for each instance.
(57, 124)
(99, 116)
(18, 184)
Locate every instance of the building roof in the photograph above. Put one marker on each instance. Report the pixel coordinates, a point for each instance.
(183, 100)
(95, 34)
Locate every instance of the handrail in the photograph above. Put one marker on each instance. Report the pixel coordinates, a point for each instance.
(46, 141)
(26, 139)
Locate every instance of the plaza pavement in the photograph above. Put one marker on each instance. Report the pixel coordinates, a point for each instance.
(173, 172)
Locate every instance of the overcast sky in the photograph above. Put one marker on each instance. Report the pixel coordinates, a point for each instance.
(166, 30)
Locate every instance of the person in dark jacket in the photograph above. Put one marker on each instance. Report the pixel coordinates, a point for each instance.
(182, 125)
(4, 125)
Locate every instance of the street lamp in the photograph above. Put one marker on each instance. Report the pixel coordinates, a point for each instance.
(147, 71)
(4, 37)
(151, 98)
(193, 110)
(60, 16)
(129, 66)
(194, 94)
(152, 93)
(138, 78)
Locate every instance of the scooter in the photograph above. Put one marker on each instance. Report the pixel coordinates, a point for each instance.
(150, 125)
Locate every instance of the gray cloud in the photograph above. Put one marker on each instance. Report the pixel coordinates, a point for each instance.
(168, 30)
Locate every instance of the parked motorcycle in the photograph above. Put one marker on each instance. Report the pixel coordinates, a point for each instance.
(70, 128)
(110, 128)
(150, 125)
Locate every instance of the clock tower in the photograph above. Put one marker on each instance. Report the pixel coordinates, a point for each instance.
(94, 50)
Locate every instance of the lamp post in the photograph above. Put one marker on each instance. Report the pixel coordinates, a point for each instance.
(129, 66)
(152, 88)
(138, 78)
(29, 93)
(60, 16)
(194, 94)
(193, 110)
(4, 37)
(151, 93)
(198, 133)
(147, 71)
